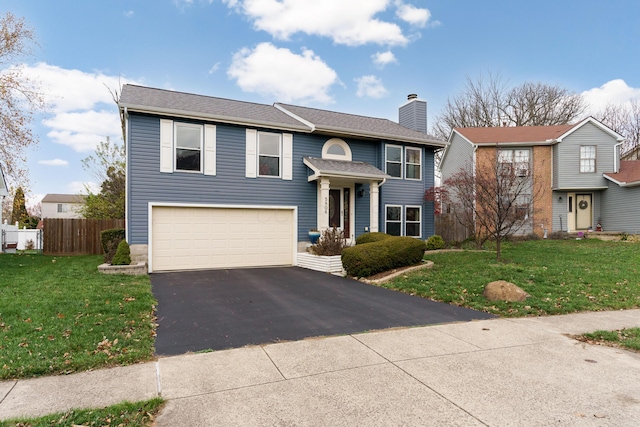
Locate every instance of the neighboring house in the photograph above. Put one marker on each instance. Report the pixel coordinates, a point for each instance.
(581, 181)
(62, 205)
(218, 183)
(633, 154)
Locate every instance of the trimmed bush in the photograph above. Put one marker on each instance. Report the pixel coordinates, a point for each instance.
(123, 254)
(110, 239)
(371, 237)
(364, 260)
(435, 242)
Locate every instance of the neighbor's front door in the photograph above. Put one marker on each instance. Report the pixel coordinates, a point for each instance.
(583, 211)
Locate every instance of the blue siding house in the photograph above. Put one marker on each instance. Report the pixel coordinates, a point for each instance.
(220, 183)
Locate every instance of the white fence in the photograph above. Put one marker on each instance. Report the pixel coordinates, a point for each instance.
(14, 238)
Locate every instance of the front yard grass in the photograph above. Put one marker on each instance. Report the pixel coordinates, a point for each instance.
(60, 315)
(138, 414)
(628, 338)
(562, 276)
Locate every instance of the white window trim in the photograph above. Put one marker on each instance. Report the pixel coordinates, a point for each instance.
(386, 221)
(258, 155)
(386, 147)
(594, 158)
(419, 150)
(419, 222)
(336, 141)
(175, 146)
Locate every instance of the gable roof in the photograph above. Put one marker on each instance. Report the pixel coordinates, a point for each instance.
(629, 174)
(63, 198)
(4, 190)
(277, 116)
(530, 135)
(333, 122)
(513, 134)
(343, 169)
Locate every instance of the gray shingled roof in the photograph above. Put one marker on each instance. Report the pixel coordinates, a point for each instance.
(352, 124)
(225, 110)
(328, 167)
(63, 198)
(281, 116)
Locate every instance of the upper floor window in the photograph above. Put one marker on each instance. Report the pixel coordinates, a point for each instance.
(413, 162)
(62, 208)
(516, 160)
(188, 147)
(587, 158)
(393, 156)
(269, 154)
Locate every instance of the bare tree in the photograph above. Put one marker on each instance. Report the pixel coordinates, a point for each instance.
(491, 102)
(20, 97)
(624, 118)
(495, 199)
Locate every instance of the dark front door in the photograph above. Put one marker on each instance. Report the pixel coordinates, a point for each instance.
(334, 208)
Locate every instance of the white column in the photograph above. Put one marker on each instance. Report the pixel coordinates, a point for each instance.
(323, 204)
(374, 206)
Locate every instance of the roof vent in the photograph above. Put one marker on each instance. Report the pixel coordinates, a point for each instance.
(412, 96)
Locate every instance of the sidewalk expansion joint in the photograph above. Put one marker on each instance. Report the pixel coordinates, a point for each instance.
(15, 383)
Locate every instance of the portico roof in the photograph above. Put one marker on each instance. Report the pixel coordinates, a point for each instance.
(357, 171)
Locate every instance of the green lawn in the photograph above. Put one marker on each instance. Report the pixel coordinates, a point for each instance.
(562, 276)
(625, 338)
(60, 315)
(139, 414)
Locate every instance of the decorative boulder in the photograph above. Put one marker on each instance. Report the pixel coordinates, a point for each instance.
(502, 290)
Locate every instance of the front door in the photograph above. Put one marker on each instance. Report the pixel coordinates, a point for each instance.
(583, 211)
(335, 208)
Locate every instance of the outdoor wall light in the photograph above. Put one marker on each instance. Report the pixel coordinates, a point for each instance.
(560, 198)
(361, 192)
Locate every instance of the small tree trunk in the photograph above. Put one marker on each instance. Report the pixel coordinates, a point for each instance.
(498, 241)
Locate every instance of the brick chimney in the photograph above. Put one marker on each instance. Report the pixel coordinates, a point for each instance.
(413, 114)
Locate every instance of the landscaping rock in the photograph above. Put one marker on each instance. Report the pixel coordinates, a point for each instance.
(502, 290)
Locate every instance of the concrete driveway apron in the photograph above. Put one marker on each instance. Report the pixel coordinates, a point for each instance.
(221, 309)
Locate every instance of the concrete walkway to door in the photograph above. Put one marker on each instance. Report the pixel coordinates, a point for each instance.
(221, 309)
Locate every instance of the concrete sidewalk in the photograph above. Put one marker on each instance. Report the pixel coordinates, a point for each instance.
(491, 372)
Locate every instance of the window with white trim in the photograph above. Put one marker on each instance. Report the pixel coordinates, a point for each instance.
(412, 221)
(516, 160)
(393, 159)
(188, 147)
(587, 158)
(269, 154)
(413, 162)
(393, 220)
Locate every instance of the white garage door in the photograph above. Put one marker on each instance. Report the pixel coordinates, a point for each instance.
(189, 238)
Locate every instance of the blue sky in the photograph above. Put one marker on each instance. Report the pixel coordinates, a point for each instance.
(355, 56)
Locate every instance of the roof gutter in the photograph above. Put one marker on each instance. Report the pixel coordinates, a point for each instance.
(214, 117)
(378, 136)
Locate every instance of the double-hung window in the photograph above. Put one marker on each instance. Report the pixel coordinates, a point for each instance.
(269, 154)
(412, 222)
(188, 146)
(413, 157)
(393, 157)
(514, 161)
(393, 220)
(403, 221)
(587, 158)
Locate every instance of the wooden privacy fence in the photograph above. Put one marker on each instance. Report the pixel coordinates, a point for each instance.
(64, 236)
(450, 229)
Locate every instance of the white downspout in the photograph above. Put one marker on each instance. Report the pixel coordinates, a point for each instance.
(616, 158)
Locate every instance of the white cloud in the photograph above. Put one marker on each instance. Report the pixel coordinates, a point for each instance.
(83, 109)
(371, 87)
(54, 162)
(351, 22)
(380, 59)
(287, 76)
(128, 14)
(413, 15)
(214, 68)
(77, 187)
(612, 92)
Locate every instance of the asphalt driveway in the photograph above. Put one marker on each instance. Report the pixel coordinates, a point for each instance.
(220, 309)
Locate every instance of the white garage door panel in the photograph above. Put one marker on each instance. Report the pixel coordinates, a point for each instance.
(187, 238)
